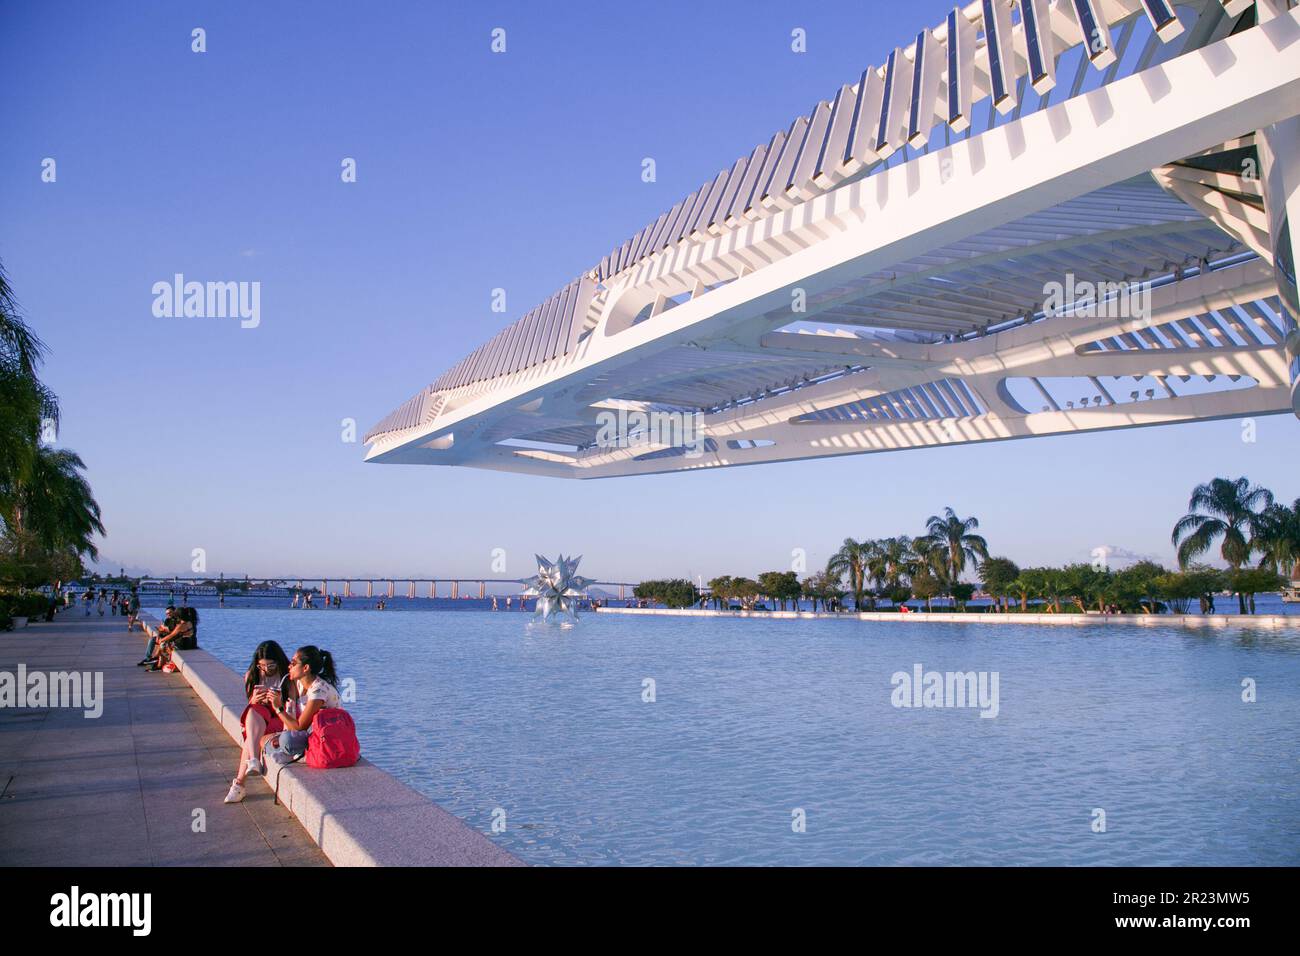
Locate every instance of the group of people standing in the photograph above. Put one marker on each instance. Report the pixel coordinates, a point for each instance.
(305, 600)
(128, 605)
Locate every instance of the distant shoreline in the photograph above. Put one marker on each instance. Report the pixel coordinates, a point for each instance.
(958, 617)
(974, 613)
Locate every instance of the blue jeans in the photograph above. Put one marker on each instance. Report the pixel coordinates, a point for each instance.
(286, 745)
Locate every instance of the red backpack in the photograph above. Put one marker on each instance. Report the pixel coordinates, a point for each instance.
(333, 741)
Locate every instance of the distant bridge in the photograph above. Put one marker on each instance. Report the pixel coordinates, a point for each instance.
(326, 585)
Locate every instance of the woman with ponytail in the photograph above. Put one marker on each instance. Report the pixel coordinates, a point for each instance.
(312, 669)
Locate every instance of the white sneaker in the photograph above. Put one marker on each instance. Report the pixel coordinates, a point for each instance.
(254, 766)
(236, 792)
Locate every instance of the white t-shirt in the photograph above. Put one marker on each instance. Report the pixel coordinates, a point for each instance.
(321, 690)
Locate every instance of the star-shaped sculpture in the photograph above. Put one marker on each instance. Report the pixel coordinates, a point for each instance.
(557, 589)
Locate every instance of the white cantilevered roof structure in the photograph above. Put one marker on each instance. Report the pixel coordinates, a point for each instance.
(1037, 217)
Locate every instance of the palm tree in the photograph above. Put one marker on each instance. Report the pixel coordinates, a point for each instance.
(929, 561)
(814, 588)
(931, 556)
(877, 565)
(22, 408)
(46, 506)
(1227, 509)
(956, 536)
(1278, 538)
(822, 587)
(852, 559)
(24, 402)
(54, 506)
(19, 345)
(896, 560)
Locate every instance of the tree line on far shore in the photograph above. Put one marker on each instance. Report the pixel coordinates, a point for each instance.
(1245, 521)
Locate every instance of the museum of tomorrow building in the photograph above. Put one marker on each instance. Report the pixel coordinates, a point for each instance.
(1038, 217)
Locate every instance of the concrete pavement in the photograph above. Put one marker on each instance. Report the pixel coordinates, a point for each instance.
(141, 785)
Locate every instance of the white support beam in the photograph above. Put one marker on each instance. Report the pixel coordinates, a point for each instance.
(953, 240)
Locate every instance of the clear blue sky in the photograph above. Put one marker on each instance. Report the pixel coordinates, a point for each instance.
(475, 171)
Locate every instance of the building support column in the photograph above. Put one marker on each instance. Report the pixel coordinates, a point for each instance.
(1279, 157)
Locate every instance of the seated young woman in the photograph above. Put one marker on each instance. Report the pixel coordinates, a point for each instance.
(312, 669)
(269, 672)
(169, 622)
(184, 637)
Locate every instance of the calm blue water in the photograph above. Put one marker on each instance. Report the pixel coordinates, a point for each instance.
(1264, 603)
(755, 718)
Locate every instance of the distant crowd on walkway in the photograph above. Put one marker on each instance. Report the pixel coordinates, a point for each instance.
(115, 602)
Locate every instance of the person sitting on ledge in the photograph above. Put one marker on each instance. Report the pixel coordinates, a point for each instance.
(183, 637)
(312, 669)
(169, 622)
(269, 672)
